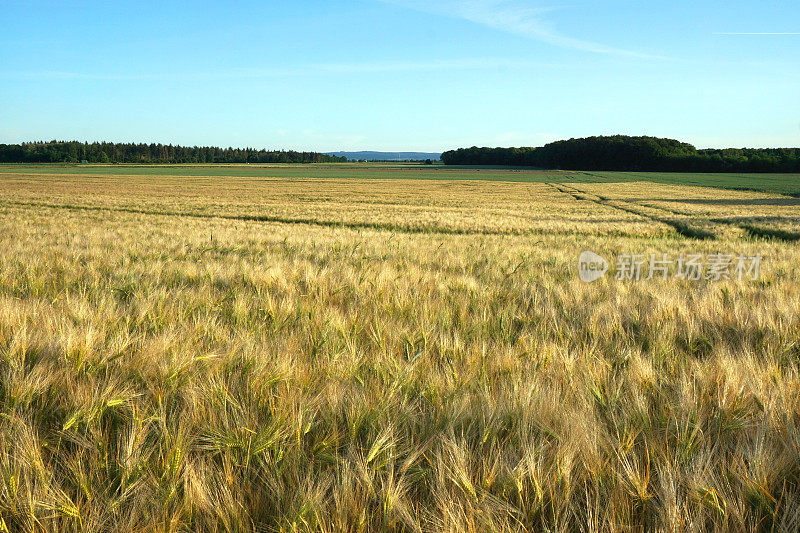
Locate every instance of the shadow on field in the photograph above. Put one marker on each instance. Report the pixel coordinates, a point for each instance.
(723, 201)
(739, 220)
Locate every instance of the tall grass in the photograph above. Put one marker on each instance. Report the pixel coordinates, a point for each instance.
(174, 373)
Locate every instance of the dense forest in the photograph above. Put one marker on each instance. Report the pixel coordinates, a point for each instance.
(75, 152)
(631, 154)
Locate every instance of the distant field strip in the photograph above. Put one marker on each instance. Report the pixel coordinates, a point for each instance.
(788, 184)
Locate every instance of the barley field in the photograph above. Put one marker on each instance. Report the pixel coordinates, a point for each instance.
(206, 352)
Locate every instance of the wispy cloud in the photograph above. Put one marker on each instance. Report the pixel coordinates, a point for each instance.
(376, 67)
(511, 17)
(754, 33)
(66, 75)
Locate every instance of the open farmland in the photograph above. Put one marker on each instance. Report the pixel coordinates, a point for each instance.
(372, 348)
(788, 184)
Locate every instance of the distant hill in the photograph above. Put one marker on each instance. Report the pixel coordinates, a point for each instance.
(387, 156)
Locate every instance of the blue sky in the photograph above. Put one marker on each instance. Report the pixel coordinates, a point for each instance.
(400, 74)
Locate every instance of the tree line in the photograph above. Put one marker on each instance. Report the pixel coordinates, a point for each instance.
(625, 153)
(106, 152)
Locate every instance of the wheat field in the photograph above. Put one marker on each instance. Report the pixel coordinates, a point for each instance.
(215, 353)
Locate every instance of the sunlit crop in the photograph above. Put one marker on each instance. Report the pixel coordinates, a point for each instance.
(275, 354)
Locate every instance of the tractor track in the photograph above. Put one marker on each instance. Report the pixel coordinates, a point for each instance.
(679, 226)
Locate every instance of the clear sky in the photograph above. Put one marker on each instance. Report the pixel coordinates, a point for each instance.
(424, 75)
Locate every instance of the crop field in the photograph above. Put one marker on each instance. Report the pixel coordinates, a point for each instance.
(394, 348)
(787, 184)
